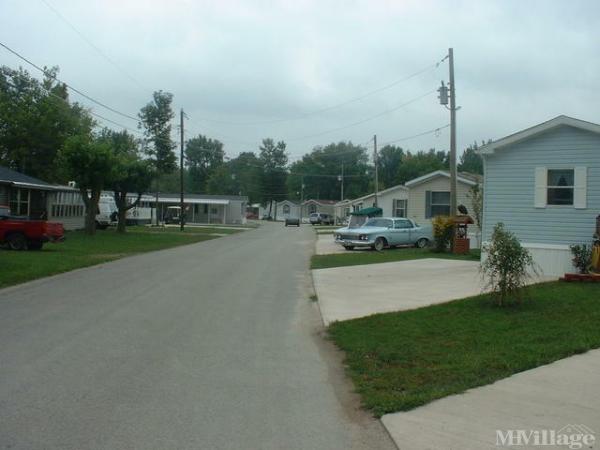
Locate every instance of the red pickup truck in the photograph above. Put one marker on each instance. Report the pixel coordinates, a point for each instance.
(21, 233)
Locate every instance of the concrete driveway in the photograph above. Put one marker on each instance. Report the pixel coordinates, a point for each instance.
(563, 396)
(357, 291)
(213, 346)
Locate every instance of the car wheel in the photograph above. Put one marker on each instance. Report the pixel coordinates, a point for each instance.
(35, 245)
(349, 247)
(17, 241)
(422, 243)
(379, 244)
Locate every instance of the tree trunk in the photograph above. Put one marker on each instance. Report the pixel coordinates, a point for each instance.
(121, 225)
(91, 208)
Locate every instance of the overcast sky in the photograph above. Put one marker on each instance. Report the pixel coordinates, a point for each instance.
(255, 64)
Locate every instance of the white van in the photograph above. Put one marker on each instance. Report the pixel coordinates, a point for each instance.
(106, 212)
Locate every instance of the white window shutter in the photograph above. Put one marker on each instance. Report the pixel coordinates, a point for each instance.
(580, 192)
(541, 187)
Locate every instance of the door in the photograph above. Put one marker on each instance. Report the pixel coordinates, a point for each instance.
(401, 232)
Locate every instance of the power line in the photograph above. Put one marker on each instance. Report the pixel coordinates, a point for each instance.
(360, 122)
(69, 86)
(406, 138)
(91, 44)
(338, 105)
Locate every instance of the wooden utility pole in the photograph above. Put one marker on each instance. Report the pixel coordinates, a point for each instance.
(181, 204)
(376, 162)
(301, 197)
(452, 87)
(342, 180)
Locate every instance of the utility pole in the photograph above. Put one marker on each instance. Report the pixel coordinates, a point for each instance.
(341, 178)
(376, 161)
(453, 186)
(301, 197)
(181, 204)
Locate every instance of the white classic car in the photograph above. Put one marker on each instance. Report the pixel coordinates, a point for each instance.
(381, 232)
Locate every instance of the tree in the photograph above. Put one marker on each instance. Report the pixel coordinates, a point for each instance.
(36, 119)
(239, 176)
(321, 168)
(156, 119)
(203, 156)
(507, 265)
(420, 163)
(131, 174)
(470, 160)
(91, 164)
(134, 176)
(273, 159)
(390, 159)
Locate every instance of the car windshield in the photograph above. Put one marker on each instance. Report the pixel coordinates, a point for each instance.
(314, 215)
(377, 222)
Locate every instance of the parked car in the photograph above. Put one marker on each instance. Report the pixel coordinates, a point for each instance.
(22, 233)
(292, 221)
(381, 232)
(321, 219)
(173, 215)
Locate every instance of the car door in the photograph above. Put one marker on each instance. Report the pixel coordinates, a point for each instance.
(401, 232)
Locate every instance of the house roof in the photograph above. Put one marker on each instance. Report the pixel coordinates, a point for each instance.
(196, 197)
(385, 191)
(464, 177)
(538, 129)
(18, 179)
(288, 202)
(321, 202)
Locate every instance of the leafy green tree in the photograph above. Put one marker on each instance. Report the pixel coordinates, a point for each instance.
(92, 165)
(421, 163)
(470, 160)
(203, 156)
(36, 118)
(390, 160)
(273, 159)
(156, 119)
(321, 168)
(131, 174)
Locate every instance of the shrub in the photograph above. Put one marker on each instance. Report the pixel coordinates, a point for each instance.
(582, 257)
(443, 227)
(506, 265)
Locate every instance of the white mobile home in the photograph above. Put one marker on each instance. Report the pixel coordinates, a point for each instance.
(287, 209)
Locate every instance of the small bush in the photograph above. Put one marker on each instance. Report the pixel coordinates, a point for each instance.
(443, 227)
(506, 265)
(582, 257)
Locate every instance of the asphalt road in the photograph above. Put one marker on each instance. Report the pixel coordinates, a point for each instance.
(210, 346)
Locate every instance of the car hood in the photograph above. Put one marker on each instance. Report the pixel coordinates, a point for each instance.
(361, 230)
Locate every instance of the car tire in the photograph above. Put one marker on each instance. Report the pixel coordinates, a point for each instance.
(35, 245)
(17, 241)
(380, 244)
(422, 243)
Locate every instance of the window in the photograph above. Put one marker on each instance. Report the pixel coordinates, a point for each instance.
(402, 224)
(375, 222)
(399, 208)
(19, 201)
(437, 203)
(561, 186)
(312, 208)
(286, 209)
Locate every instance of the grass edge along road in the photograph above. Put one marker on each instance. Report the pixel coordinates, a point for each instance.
(388, 255)
(80, 250)
(399, 361)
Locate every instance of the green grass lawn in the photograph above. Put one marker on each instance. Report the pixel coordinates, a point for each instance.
(402, 360)
(80, 250)
(388, 255)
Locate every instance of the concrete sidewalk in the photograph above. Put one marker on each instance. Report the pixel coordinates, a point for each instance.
(551, 397)
(356, 291)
